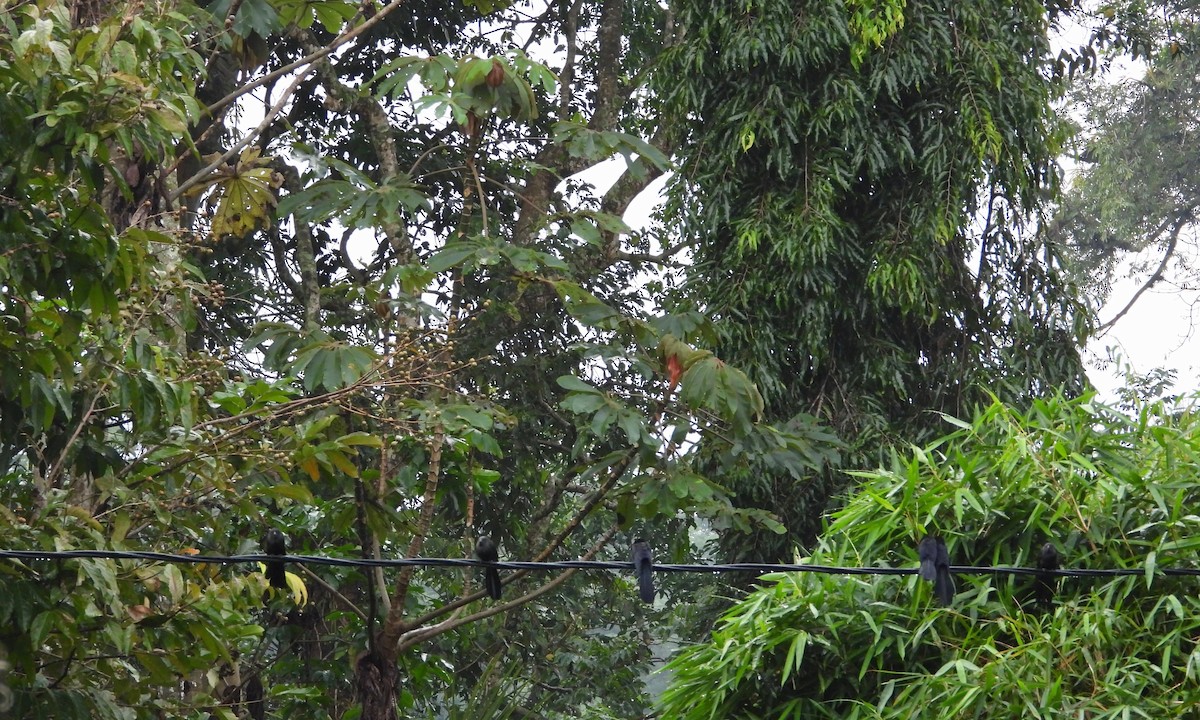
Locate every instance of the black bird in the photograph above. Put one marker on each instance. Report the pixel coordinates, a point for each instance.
(935, 567)
(274, 543)
(1043, 588)
(486, 551)
(643, 565)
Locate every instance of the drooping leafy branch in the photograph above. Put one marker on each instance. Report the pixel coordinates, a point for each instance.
(860, 188)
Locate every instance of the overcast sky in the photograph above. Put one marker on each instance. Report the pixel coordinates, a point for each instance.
(1158, 332)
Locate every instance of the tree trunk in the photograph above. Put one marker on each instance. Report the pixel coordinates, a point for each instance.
(375, 679)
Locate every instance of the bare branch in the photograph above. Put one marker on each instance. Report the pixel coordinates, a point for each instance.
(566, 78)
(339, 41)
(424, 633)
(342, 599)
(1181, 221)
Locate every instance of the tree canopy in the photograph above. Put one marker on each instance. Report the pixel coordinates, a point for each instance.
(334, 269)
(871, 180)
(1131, 206)
(323, 267)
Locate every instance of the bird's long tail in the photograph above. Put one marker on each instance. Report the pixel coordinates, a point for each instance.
(943, 586)
(491, 577)
(275, 574)
(646, 582)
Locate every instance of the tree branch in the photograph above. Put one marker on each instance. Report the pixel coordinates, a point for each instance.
(342, 599)
(339, 41)
(1181, 221)
(237, 146)
(616, 474)
(390, 634)
(608, 63)
(379, 129)
(424, 633)
(567, 76)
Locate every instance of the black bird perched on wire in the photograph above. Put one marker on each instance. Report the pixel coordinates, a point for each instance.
(935, 567)
(486, 551)
(643, 565)
(1043, 588)
(274, 543)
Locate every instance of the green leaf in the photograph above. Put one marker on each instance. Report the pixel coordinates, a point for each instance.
(333, 15)
(360, 439)
(574, 384)
(256, 16)
(289, 491)
(484, 478)
(472, 71)
(588, 231)
(795, 655)
(453, 255)
(633, 426)
(583, 403)
(40, 628)
(484, 442)
(342, 463)
(487, 7)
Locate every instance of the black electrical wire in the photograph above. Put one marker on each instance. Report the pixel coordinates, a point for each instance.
(578, 564)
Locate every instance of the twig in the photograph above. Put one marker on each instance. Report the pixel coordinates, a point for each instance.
(333, 591)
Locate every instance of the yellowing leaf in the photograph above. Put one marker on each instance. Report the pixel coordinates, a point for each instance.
(309, 465)
(298, 588)
(175, 582)
(341, 462)
(246, 198)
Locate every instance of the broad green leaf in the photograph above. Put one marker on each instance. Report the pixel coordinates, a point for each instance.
(574, 384)
(453, 255)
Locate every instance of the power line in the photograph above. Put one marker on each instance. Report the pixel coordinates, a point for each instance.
(578, 564)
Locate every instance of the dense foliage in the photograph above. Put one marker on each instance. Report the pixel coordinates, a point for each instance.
(323, 267)
(866, 177)
(332, 268)
(1108, 489)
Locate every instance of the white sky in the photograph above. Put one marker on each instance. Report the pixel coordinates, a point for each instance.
(1158, 332)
